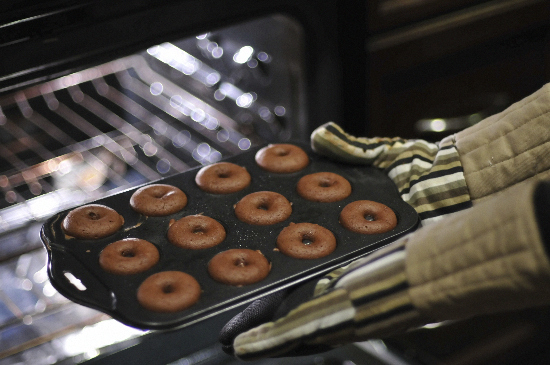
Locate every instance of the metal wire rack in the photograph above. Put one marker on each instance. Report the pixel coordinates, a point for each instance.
(76, 139)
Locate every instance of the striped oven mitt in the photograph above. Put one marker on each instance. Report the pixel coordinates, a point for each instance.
(490, 258)
(429, 176)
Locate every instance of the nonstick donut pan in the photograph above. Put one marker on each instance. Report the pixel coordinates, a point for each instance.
(74, 269)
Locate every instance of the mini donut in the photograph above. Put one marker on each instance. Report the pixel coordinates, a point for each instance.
(323, 187)
(263, 208)
(222, 178)
(282, 158)
(196, 232)
(306, 241)
(239, 267)
(92, 221)
(168, 291)
(128, 256)
(158, 200)
(367, 217)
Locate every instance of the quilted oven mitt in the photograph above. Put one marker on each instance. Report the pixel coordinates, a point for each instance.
(489, 258)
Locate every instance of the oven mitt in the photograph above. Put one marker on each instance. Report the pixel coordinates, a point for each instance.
(488, 259)
(441, 178)
(408, 282)
(429, 176)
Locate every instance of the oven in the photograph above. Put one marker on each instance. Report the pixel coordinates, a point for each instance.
(97, 97)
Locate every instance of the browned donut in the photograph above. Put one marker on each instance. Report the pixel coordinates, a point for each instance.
(368, 217)
(239, 267)
(92, 221)
(306, 241)
(323, 187)
(282, 158)
(196, 232)
(158, 200)
(128, 256)
(263, 208)
(222, 178)
(168, 291)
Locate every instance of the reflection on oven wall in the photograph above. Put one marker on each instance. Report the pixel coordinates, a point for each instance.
(174, 106)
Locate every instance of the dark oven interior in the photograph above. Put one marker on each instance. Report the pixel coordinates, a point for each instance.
(97, 97)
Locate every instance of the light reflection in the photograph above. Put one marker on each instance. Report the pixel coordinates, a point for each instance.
(223, 135)
(215, 156)
(149, 149)
(11, 197)
(264, 57)
(48, 290)
(245, 100)
(243, 55)
(129, 157)
(198, 115)
(218, 95)
(211, 123)
(163, 166)
(181, 139)
(438, 125)
(279, 110)
(244, 144)
(203, 149)
(156, 88)
(4, 181)
(217, 52)
(213, 78)
(93, 337)
(176, 101)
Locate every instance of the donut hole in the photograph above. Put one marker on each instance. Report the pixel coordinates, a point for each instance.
(240, 262)
(93, 216)
(198, 230)
(369, 217)
(158, 194)
(282, 152)
(263, 206)
(307, 239)
(326, 183)
(168, 288)
(224, 175)
(128, 253)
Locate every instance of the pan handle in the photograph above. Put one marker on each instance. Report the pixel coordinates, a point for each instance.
(75, 282)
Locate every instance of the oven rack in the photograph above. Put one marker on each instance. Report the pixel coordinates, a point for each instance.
(101, 131)
(77, 139)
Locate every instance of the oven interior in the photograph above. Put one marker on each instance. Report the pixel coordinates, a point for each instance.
(123, 123)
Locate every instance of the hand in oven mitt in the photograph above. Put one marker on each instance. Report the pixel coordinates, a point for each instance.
(490, 258)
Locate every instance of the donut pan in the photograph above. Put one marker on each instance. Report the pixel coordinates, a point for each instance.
(74, 269)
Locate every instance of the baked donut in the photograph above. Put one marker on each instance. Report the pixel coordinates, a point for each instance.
(196, 232)
(222, 178)
(306, 241)
(92, 221)
(158, 200)
(282, 158)
(263, 208)
(168, 291)
(368, 217)
(128, 256)
(323, 187)
(239, 267)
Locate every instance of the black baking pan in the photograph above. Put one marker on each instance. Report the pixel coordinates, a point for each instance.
(74, 269)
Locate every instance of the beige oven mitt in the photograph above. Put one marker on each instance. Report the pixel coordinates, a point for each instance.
(490, 258)
(487, 259)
